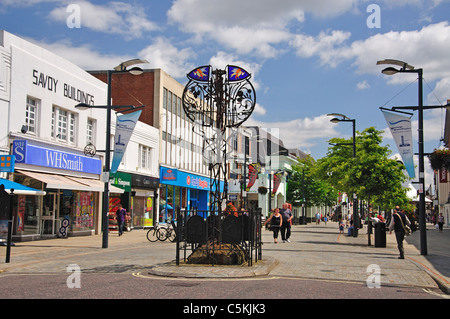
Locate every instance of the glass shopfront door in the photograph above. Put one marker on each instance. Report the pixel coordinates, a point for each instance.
(49, 214)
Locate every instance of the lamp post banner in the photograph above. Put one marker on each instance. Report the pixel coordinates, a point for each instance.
(400, 126)
(124, 128)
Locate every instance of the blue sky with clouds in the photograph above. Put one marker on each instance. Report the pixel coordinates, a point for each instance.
(308, 58)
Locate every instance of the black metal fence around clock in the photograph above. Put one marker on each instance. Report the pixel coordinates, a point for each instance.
(218, 233)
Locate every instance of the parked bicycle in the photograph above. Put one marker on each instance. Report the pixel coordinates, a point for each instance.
(164, 233)
(161, 232)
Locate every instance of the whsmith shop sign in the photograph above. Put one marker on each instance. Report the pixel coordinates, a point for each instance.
(27, 153)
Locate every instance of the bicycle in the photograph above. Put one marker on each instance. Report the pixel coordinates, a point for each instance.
(167, 232)
(161, 232)
(152, 234)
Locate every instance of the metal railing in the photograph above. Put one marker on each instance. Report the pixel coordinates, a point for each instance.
(215, 231)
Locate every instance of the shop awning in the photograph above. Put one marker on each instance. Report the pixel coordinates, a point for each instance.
(20, 189)
(413, 196)
(69, 182)
(55, 181)
(96, 185)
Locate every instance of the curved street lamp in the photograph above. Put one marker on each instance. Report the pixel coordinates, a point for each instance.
(346, 119)
(121, 68)
(355, 199)
(406, 68)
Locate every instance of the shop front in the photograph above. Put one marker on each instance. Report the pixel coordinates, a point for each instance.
(144, 199)
(182, 189)
(120, 180)
(71, 204)
(139, 198)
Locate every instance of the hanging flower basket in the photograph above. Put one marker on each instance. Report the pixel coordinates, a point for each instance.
(439, 158)
(262, 190)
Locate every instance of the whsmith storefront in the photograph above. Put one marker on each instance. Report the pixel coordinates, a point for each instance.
(72, 186)
(181, 189)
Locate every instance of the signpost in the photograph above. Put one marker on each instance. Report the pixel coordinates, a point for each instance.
(6, 201)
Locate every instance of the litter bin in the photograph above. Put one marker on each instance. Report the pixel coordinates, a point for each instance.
(302, 220)
(380, 234)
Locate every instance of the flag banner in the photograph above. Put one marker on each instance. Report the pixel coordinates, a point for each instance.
(400, 126)
(276, 181)
(124, 128)
(253, 171)
(443, 175)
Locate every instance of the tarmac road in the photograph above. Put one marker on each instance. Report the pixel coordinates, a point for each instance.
(318, 263)
(145, 286)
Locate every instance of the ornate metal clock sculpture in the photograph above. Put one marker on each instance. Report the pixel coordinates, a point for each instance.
(217, 100)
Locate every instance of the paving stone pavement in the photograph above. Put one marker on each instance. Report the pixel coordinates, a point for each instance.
(315, 252)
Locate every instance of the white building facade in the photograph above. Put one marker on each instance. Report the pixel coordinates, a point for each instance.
(41, 126)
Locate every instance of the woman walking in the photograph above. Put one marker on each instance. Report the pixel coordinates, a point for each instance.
(440, 221)
(275, 224)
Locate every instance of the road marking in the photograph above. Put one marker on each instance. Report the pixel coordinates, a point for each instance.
(434, 293)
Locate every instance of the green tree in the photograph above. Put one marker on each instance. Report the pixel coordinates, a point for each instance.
(305, 187)
(371, 175)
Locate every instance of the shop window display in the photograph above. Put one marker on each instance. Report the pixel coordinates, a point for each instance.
(84, 211)
(27, 214)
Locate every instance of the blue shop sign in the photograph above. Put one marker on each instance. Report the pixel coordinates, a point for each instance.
(171, 176)
(36, 155)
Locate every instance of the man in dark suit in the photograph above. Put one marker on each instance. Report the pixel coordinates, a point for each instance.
(399, 219)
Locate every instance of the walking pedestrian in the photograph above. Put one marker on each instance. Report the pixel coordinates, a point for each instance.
(121, 215)
(275, 224)
(398, 221)
(286, 214)
(341, 226)
(440, 221)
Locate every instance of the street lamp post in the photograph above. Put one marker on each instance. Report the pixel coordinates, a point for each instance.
(406, 68)
(121, 68)
(355, 198)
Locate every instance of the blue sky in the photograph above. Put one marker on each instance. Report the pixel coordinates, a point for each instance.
(308, 58)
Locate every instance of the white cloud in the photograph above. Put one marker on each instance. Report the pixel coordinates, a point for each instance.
(301, 133)
(441, 92)
(222, 59)
(258, 27)
(23, 3)
(362, 85)
(113, 17)
(426, 48)
(84, 56)
(162, 54)
(325, 45)
(259, 110)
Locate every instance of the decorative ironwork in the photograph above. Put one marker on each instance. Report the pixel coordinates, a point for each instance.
(210, 99)
(217, 100)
